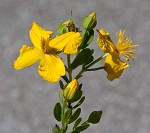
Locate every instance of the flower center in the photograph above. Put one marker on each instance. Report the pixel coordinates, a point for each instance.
(45, 46)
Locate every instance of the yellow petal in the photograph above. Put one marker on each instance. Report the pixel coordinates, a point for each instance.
(114, 66)
(104, 41)
(68, 42)
(27, 57)
(51, 68)
(37, 33)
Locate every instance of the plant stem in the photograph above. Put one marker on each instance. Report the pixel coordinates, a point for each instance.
(95, 69)
(94, 62)
(69, 70)
(62, 116)
(80, 73)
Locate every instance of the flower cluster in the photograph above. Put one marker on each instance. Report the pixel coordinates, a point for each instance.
(70, 40)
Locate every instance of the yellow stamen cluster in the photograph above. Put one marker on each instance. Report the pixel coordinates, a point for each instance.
(125, 47)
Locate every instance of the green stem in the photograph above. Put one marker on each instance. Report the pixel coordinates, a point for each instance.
(62, 116)
(69, 69)
(80, 73)
(94, 62)
(95, 69)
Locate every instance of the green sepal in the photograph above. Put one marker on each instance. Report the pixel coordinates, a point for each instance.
(81, 58)
(94, 117)
(77, 122)
(67, 115)
(82, 127)
(57, 111)
(80, 102)
(74, 116)
(56, 129)
(89, 35)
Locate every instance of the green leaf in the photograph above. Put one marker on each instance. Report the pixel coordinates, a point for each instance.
(77, 123)
(57, 111)
(81, 58)
(89, 61)
(82, 127)
(56, 129)
(88, 38)
(61, 84)
(94, 117)
(80, 102)
(67, 115)
(74, 116)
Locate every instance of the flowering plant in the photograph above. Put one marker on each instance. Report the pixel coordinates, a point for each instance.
(70, 40)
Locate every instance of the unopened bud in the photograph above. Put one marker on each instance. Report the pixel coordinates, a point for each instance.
(63, 27)
(90, 21)
(70, 90)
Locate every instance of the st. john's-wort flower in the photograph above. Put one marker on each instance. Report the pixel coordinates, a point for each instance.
(114, 66)
(45, 49)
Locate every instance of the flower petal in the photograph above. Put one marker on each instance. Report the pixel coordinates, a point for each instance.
(104, 41)
(27, 57)
(37, 33)
(51, 68)
(68, 42)
(114, 66)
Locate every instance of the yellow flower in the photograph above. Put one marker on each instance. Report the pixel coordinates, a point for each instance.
(45, 49)
(114, 66)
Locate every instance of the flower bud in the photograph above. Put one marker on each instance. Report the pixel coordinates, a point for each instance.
(63, 28)
(90, 22)
(70, 90)
(67, 26)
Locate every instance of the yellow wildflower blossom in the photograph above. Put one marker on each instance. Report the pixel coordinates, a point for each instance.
(114, 66)
(45, 49)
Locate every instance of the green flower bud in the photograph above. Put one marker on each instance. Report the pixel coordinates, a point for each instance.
(63, 28)
(67, 26)
(70, 90)
(90, 21)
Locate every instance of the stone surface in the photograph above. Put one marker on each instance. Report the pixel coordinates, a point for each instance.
(26, 101)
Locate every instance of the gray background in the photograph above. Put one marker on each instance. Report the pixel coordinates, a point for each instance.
(26, 101)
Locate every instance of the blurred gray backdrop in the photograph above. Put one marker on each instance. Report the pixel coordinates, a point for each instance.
(26, 101)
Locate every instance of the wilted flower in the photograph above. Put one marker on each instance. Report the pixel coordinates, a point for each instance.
(114, 66)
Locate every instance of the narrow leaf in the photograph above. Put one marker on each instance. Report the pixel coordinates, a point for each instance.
(56, 129)
(61, 84)
(81, 58)
(77, 123)
(80, 102)
(75, 115)
(82, 127)
(57, 111)
(68, 113)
